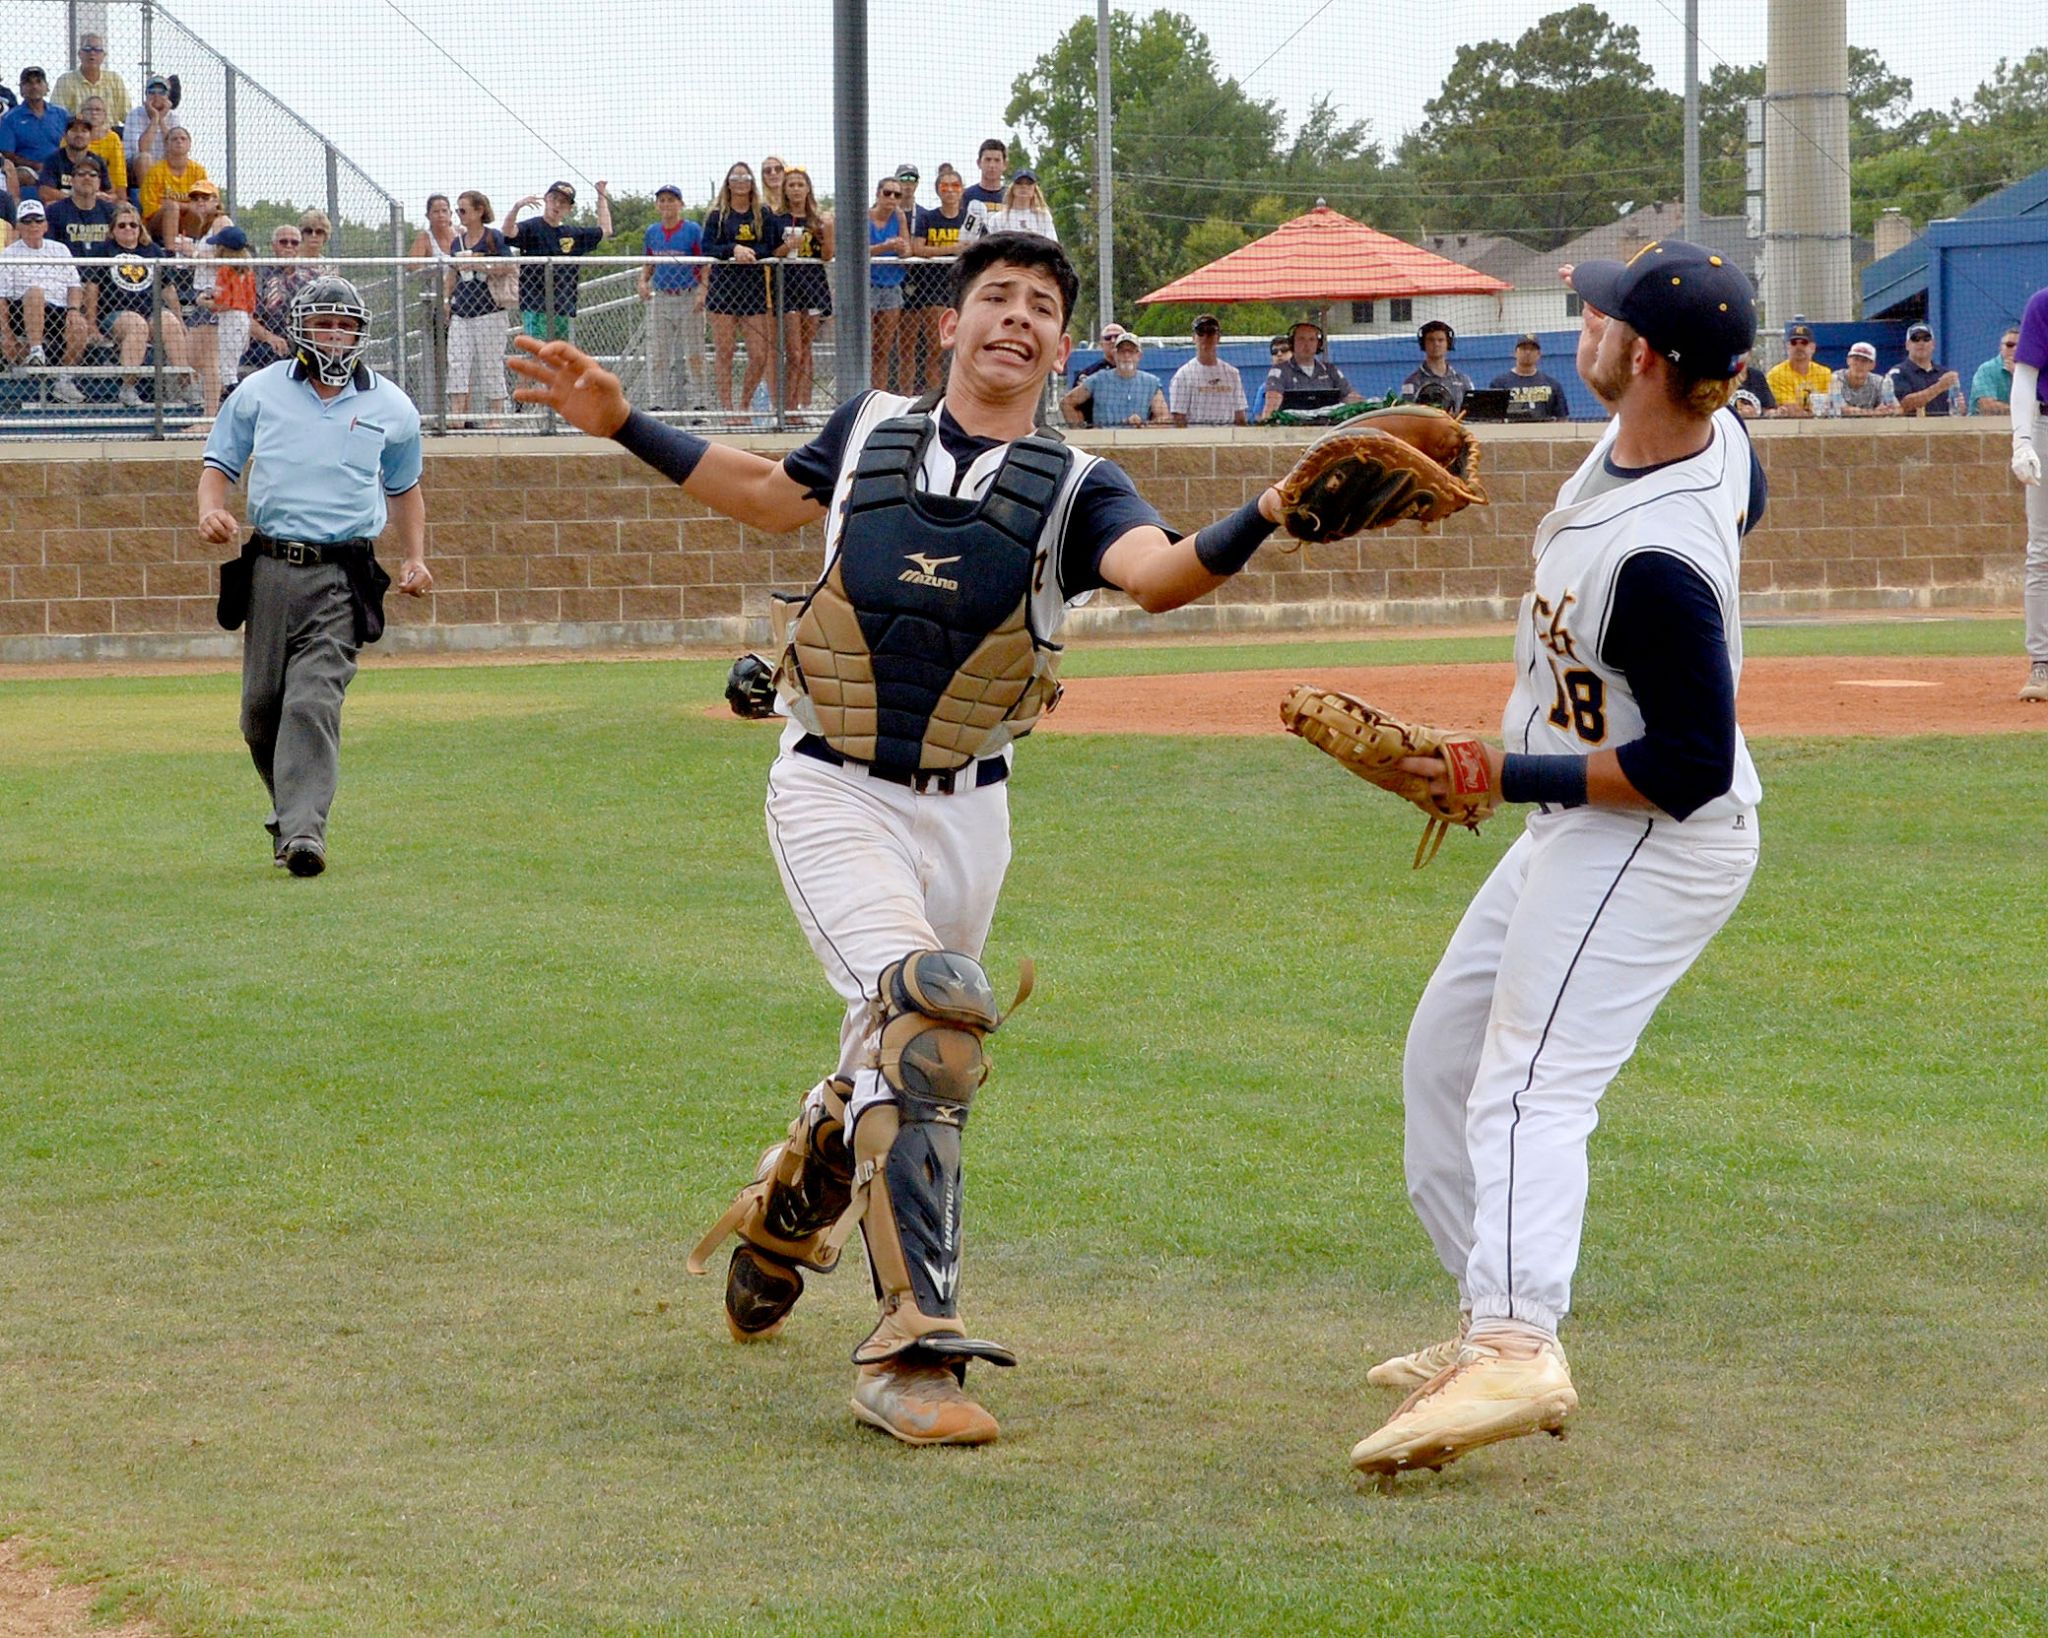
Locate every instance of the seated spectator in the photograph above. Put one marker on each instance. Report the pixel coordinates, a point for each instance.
(1991, 386)
(92, 78)
(171, 188)
(275, 287)
(1436, 381)
(1207, 392)
(552, 234)
(1301, 379)
(480, 285)
(82, 221)
(314, 233)
(1797, 380)
(34, 272)
(31, 132)
(1859, 389)
(106, 142)
(1923, 386)
(53, 181)
(128, 290)
(1124, 396)
(1754, 398)
(1532, 394)
(144, 131)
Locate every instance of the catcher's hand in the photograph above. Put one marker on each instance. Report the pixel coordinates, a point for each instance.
(1405, 461)
(1380, 748)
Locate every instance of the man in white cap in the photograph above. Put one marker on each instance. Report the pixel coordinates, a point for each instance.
(1860, 390)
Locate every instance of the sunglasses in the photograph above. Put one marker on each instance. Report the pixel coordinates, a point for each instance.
(891, 193)
(314, 233)
(286, 244)
(2007, 346)
(137, 226)
(771, 170)
(92, 51)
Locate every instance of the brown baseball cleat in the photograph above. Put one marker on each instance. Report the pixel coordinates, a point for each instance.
(1410, 1371)
(1494, 1391)
(919, 1404)
(2036, 686)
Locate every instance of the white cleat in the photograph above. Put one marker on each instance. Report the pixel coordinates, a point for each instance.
(1410, 1371)
(1494, 1391)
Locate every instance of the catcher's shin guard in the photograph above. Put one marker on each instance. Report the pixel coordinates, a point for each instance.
(937, 1009)
(785, 1217)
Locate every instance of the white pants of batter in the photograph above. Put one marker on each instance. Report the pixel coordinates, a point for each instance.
(1561, 959)
(875, 871)
(2037, 551)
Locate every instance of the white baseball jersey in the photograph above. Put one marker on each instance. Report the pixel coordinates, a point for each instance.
(1567, 700)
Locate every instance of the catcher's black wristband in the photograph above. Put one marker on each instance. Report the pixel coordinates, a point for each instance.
(1226, 545)
(671, 451)
(1555, 781)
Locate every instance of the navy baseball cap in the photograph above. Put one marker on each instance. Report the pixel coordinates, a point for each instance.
(231, 238)
(1694, 307)
(1919, 332)
(668, 187)
(564, 189)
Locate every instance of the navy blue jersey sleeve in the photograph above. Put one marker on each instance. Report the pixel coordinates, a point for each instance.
(587, 238)
(1666, 637)
(815, 465)
(1107, 507)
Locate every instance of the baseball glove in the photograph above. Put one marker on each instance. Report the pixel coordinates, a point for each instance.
(750, 687)
(1379, 468)
(1371, 744)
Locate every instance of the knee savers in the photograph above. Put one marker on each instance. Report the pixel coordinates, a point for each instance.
(937, 1008)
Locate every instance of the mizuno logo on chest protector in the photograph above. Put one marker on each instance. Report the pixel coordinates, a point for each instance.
(926, 573)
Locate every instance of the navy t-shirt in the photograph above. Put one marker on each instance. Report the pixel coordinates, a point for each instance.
(82, 232)
(1106, 509)
(1544, 394)
(533, 237)
(1908, 377)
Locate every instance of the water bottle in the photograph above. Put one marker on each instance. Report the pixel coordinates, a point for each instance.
(1955, 401)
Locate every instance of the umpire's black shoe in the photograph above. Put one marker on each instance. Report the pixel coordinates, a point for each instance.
(304, 857)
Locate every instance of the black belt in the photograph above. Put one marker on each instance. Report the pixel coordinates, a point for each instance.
(989, 771)
(306, 551)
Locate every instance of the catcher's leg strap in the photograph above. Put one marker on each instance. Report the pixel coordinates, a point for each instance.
(800, 1191)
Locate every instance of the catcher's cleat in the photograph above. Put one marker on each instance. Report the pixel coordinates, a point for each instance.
(2035, 688)
(1493, 1391)
(1409, 1371)
(919, 1404)
(759, 1293)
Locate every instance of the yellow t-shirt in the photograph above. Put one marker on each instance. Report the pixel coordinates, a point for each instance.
(160, 184)
(115, 158)
(1790, 388)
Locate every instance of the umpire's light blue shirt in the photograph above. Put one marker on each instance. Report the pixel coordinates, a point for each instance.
(323, 466)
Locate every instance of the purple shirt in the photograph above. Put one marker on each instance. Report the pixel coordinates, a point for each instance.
(2033, 347)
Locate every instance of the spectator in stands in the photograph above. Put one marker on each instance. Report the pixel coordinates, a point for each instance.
(1797, 380)
(552, 234)
(314, 233)
(674, 293)
(32, 131)
(128, 290)
(478, 293)
(1025, 210)
(807, 292)
(737, 234)
(436, 243)
(53, 181)
(1923, 386)
(229, 293)
(83, 220)
(1107, 342)
(888, 240)
(171, 189)
(36, 271)
(929, 290)
(1436, 381)
(772, 172)
(1754, 398)
(1859, 389)
(106, 142)
(986, 195)
(1532, 394)
(146, 127)
(92, 78)
(1301, 379)
(1206, 392)
(1124, 396)
(912, 327)
(274, 288)
(1991, 386)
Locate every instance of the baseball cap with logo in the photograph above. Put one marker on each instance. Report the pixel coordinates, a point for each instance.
(1694, 307)
(564, 189)
(906, 173)
(1863, 349)
(1123, 341)
(1919, 332)
(1799, 331)
(30, 210)
(668, 187)
(1527, 341)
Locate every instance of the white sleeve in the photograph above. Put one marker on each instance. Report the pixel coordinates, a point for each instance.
(2026, 405)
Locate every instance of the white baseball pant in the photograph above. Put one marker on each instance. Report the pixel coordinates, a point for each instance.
(2036, 596)
(1560, 961)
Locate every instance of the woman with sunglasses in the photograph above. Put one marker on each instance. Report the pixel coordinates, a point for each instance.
(806, 292)
(128, 290)
(736, 236)
(314, 232)
(476, 318)
(773, 174)
(887, 237)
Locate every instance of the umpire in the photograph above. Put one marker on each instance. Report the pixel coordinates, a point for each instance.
(330, 441)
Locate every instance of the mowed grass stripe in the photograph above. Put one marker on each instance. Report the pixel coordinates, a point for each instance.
(341, 1223)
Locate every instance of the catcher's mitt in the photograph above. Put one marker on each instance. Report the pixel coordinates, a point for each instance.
(750, 687)
(1371, 744)
(1381, 467)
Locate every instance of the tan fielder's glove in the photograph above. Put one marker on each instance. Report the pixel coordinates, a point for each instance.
(1371, 744)
(1379, 468)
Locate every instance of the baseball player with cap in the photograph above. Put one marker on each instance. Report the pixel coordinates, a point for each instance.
(1621, 729)
(2029, 455)
(956, 537)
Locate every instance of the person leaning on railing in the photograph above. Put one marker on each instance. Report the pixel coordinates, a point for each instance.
(480, 287)
(547, 297)
(736, 235)
(807, 233)
(674, 293)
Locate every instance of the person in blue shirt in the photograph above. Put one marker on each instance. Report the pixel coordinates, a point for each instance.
(1121, 396)
(335, 451)
(674, 293)
(33, 132)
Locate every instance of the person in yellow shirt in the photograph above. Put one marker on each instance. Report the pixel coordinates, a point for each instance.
(1798, 381)
(106, 142)
(92, 78)
(167, 190)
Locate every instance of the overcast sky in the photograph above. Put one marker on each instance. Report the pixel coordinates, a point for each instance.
(647, 91)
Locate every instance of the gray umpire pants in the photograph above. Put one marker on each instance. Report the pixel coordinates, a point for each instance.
(297, 658)
(2037, 550)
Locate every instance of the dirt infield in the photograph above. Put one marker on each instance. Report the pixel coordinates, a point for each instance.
(34, 1605)
(1780, 698)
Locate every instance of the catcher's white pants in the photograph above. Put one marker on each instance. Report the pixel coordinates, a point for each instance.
(1560, 961)
(875, 871)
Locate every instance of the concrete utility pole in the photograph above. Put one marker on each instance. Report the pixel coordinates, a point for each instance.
(1692, 120)
(1806, 162)
(1105, 214)
(850, 203)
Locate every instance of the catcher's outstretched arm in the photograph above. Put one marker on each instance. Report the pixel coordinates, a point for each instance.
(1161, 573)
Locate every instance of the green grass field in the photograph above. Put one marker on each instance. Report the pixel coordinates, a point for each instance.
(342, 1222)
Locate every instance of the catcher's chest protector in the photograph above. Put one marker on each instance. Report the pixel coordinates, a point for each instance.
(917, 649)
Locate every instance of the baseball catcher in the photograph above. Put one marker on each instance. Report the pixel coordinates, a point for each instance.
(1387, 752)
(1379, 468)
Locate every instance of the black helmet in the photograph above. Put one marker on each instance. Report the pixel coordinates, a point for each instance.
(328, 296)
